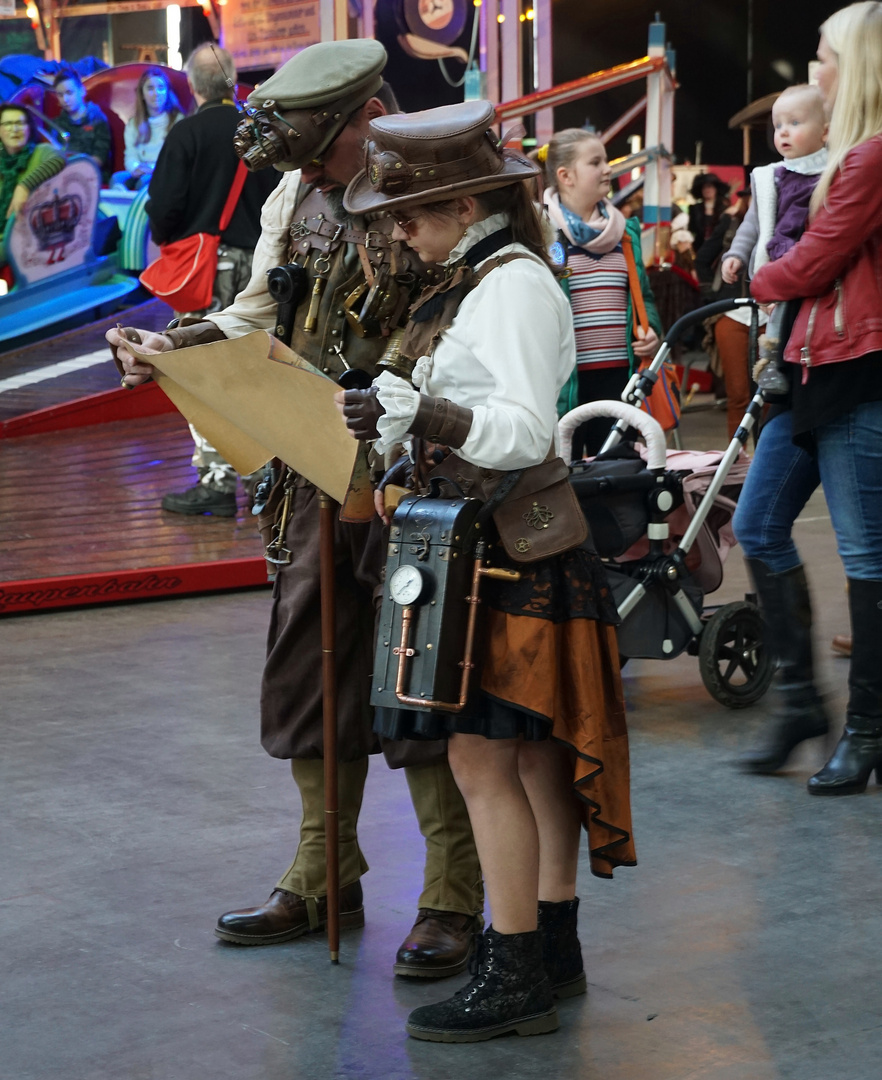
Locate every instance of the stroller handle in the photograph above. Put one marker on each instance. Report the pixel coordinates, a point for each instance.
(718, 307)
(650, 429)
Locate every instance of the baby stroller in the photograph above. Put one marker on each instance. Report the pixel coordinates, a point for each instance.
(661, 521)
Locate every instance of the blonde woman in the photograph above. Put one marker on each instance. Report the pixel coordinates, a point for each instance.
(836, 268)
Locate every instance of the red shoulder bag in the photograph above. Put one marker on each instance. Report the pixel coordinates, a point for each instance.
(183, 275)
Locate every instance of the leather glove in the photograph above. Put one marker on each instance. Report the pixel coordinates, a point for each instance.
(361, 410)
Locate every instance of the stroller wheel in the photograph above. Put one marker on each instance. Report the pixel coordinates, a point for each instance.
(735, 666)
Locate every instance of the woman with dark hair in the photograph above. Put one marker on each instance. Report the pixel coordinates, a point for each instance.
(157, 110)
(24, 163)
(711, 196)
(541, 747)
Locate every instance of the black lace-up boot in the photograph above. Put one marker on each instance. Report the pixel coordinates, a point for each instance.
(798, 713)
(860, 749)
(509, 991)
(561, 951)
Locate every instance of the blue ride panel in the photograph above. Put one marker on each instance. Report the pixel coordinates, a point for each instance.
(50, 246)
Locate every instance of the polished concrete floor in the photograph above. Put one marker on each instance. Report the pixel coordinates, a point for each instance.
(137, 805)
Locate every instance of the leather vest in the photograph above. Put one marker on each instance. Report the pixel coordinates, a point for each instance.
(335, 254)
(437, 306)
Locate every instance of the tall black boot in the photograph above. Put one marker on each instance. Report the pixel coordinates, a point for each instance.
(798, 712)
(509, 992)
(860, 749)
(561, 951)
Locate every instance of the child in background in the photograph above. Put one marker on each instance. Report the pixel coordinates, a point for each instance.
(157, 110)
(779, 207)
(592, 239)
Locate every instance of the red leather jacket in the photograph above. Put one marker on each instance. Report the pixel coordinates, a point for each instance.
(836, 267)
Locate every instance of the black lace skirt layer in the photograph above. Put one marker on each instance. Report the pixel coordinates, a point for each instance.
(550, 669)
(566, 587)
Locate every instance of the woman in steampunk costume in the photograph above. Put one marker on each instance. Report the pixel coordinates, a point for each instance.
(541, 748)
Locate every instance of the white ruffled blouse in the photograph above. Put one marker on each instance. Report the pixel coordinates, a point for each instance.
(506, 356)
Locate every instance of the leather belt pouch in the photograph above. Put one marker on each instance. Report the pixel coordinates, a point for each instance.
(541, 515)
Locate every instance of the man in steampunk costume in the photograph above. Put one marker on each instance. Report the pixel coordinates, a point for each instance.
(311, 122)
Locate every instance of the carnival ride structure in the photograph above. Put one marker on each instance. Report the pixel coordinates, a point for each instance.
(75, 249)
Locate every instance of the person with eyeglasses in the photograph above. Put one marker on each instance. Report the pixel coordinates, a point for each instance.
(539, 747)
(24, 164)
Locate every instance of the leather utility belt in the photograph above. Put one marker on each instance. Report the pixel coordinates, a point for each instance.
(439, 543)
(535, 510)
(273, 503)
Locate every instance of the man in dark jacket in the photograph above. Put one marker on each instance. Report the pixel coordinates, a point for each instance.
(190, 184)
(88, 131)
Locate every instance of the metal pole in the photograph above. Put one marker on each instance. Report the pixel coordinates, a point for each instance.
(327, 514)
(749, 51)
(543, 75)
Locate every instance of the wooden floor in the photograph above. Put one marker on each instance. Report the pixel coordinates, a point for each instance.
(81, 487)
(153, 315)
(87, 501)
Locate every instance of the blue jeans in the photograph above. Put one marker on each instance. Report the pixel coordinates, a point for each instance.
(780, 480)
(850, 463)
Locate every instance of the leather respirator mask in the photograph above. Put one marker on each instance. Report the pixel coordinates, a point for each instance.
(263, 139)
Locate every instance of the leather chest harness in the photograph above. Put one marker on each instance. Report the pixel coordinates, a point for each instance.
(361, 285)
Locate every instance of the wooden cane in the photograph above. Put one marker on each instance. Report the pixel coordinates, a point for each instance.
(327, 514)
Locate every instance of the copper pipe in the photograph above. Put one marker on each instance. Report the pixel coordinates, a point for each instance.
(327, 508)
(403, 651)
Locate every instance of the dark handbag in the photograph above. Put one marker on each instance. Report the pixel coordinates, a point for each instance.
(183, 275)
(612, 496)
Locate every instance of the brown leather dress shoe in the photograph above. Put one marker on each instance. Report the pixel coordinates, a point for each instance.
(439, 944)
(286, 916)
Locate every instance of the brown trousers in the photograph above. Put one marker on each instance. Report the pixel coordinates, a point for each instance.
(732, 341)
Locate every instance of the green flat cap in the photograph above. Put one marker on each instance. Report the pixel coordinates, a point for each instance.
(323, 74)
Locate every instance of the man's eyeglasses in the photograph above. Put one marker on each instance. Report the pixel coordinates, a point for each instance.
(14, 124)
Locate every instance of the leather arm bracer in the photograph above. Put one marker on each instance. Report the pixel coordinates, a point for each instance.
(199, 333)
(441, 421)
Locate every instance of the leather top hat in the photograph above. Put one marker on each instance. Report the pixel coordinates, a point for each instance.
(310, 99)
(430, 156)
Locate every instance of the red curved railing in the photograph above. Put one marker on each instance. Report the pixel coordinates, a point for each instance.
(579, 88)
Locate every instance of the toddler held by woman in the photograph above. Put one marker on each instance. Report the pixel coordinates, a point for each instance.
(779, 206)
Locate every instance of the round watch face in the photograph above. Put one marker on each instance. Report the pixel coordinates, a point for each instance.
(406, 585)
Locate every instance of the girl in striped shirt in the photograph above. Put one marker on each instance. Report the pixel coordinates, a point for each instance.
(592, 234)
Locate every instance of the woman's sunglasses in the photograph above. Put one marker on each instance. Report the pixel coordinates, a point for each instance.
(408, 225)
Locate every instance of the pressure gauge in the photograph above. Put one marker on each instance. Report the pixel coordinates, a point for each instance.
(407, 585)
